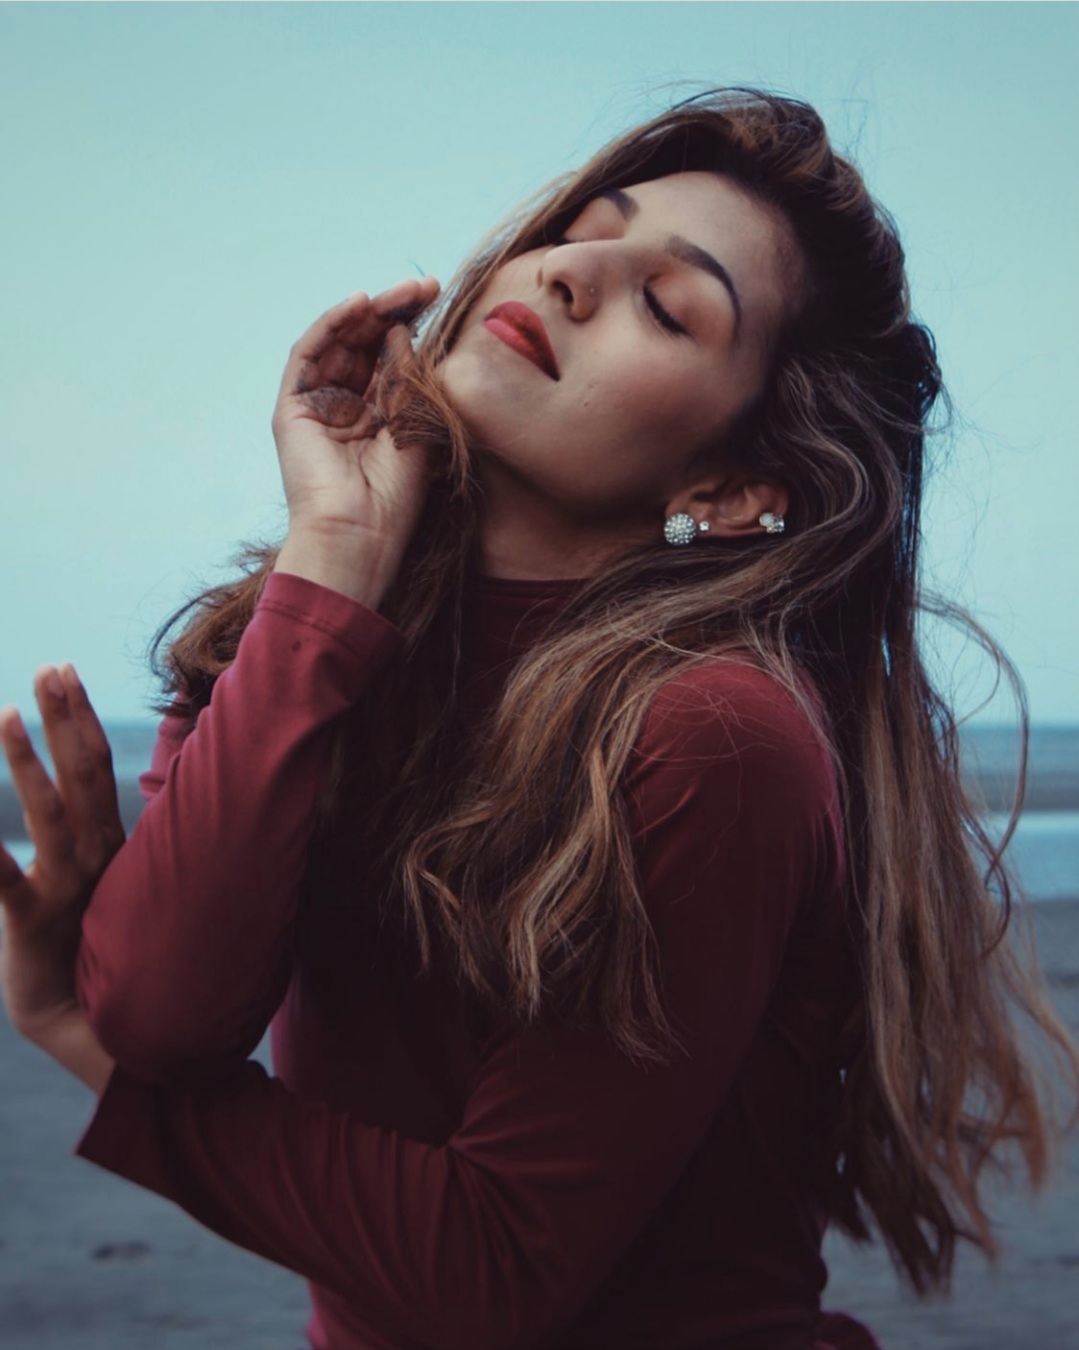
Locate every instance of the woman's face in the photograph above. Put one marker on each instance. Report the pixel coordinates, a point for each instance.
(657, 309)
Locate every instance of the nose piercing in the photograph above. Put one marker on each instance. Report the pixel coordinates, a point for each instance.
(592, 290)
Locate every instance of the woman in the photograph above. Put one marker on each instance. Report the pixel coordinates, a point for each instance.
(569, 791)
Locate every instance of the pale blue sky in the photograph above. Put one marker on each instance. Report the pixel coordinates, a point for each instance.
(186, 187)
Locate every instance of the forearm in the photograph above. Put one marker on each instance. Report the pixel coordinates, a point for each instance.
(72, 1043)
(187, 941)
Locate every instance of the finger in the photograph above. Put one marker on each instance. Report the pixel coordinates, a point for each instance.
(76, 776)
(43, 808)
(342, 346)
(362, 317)
(356, 319)
(399, 344)
(102, 802)
(405, 301)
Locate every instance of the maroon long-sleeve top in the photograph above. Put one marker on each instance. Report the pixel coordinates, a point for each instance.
(443, 1185)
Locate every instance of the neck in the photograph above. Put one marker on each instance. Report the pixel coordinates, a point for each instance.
(524, 537)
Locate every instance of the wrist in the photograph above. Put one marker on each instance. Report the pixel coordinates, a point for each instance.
(341, 559)
(70, 1041)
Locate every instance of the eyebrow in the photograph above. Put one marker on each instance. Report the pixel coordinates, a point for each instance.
(683, 250)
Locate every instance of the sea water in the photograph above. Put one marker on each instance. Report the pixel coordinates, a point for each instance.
(1044, 852)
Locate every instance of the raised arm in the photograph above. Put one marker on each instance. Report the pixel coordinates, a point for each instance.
(186, 943)
(185, 949)
(500, 1235)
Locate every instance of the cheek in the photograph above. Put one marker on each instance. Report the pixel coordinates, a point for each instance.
(472, 385)
(664, 401)
(624, 376)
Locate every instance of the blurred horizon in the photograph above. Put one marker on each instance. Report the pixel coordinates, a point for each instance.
(1044, 852)
(189, 186)
(980, 728)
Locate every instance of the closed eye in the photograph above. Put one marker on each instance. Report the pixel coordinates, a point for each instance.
(663, 318)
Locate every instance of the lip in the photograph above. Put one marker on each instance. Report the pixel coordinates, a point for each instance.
(522, 329)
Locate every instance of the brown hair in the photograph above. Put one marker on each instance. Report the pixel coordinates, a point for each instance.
(513, 848)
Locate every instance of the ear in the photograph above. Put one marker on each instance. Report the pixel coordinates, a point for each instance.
(731, 505)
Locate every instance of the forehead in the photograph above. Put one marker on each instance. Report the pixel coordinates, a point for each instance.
(749, 237)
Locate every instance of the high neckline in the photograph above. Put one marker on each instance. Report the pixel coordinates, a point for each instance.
(526, 588)
(513, 610)
(503, 617)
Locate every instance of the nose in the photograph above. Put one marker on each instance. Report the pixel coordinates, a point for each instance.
(574, 274)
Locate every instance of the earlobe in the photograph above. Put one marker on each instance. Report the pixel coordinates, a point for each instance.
(728, 509)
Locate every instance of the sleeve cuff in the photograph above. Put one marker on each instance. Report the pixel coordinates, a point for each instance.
(366, 633)
(111, 1137)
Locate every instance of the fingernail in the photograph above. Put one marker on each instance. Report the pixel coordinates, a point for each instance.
(15, 727)
(70, 675)
(55, 686)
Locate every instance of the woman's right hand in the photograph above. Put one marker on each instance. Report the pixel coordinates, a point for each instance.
(354, 496)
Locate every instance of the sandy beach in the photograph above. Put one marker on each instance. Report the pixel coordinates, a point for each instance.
(90, 1262)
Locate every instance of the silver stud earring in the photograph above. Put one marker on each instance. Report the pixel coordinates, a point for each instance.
(681, 528)
(773, 522)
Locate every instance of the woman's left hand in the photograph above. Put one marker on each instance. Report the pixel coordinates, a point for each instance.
(76, 829)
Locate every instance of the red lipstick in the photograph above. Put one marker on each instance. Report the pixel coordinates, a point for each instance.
(522, 329)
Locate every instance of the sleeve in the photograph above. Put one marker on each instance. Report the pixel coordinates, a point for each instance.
(499, 1236)
(185, 951)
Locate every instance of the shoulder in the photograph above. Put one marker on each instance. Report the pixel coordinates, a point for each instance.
(727, 726)
(726, 707)
(733, 808)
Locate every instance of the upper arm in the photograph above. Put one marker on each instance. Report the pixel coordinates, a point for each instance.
(733, 810)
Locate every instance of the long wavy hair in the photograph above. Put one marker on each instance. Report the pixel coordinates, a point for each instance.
(509, 847)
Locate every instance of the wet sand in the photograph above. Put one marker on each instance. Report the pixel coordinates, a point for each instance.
(90, 1262)
(1030, 1301)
